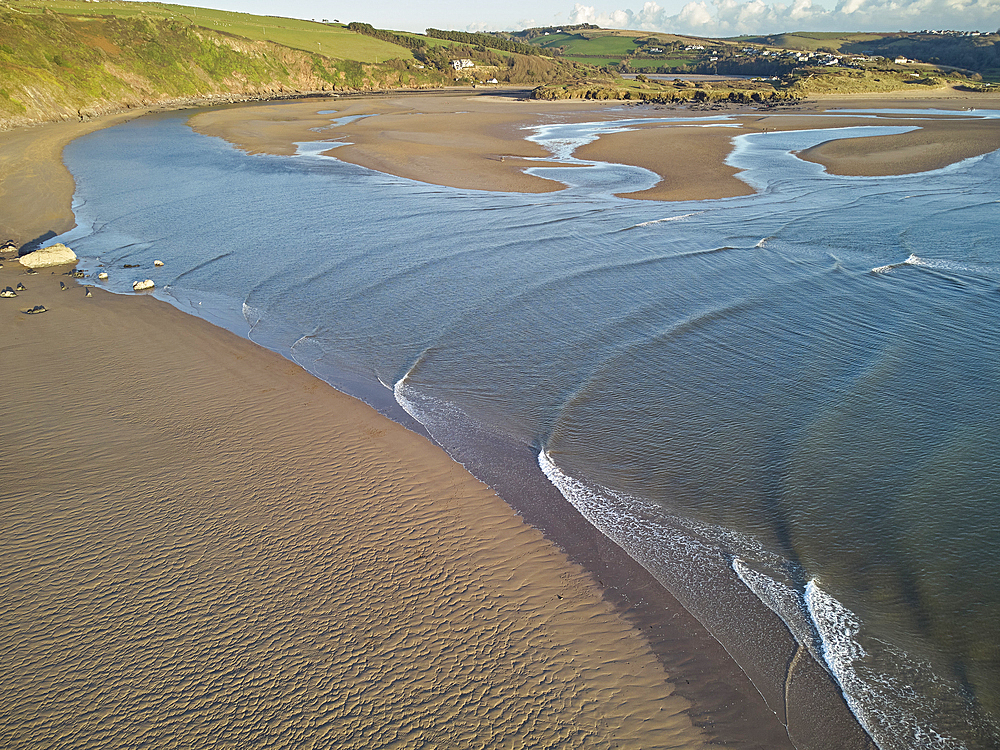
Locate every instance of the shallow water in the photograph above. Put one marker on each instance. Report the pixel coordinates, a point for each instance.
(800, 387)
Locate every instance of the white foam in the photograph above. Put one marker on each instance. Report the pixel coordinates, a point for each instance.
(661, 221)
(897, 716)
(252, 315)
(884, 269)
(932, 263)
(781, 599)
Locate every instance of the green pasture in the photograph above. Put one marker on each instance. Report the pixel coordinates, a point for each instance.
(808, 40)
(598, 61)
(656, 63)
(600, 46)
(554, 40)
(429, 40)
(331, 40)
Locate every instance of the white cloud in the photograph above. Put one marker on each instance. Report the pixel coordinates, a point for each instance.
(733, 17)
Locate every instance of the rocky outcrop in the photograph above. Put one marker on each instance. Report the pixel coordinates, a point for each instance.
(54, 255)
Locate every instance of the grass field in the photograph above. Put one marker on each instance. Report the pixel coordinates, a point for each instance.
(609, 45)
(330, 40)
(808, 40)
(654, 64)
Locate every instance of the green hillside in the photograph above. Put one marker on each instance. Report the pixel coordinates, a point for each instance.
(329, 39)
(775, 55)
(972, 52)
(63, 59)
(57, 66)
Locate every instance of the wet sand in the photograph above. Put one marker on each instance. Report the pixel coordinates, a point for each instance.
(36, 190)
(203, 544)
(202, 541)
(477, 141)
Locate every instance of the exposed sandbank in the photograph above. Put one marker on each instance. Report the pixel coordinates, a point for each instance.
(473, 141)
(459, 141)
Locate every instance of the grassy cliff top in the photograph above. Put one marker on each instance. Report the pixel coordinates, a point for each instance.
(330, 39)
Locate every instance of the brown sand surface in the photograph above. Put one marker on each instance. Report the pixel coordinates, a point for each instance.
(689, 160)
(459, 140)
(468, 141)
(204, 545)
(198, 524)
(936, 144)
(36, 189)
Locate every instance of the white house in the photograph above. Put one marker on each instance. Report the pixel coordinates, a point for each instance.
(459, 64)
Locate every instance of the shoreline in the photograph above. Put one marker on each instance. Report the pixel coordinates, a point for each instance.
(556, 519)
(201, 507)
(477, 141)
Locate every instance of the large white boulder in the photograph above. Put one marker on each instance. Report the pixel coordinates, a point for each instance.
(54, 255)
(139, 286)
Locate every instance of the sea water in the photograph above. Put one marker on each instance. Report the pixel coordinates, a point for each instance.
(801, 386)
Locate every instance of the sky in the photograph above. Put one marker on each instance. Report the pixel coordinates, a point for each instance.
(712, 18)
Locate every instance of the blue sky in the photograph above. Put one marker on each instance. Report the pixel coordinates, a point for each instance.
(698, 17)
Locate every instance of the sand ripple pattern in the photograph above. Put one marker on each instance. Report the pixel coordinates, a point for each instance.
(228, 554)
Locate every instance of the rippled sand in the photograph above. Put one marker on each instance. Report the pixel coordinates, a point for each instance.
(204, 546)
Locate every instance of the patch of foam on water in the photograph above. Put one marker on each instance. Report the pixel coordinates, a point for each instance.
(252, 315)
(891, 266)
(629, 522)
(450, 425)
(661, 221)
(931, 263)
(895, 714)
(939, 264)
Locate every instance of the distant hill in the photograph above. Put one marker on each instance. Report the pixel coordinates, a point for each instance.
(114, 55)
(975, 54)
(62, 59)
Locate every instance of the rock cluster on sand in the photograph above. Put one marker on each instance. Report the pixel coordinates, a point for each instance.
(54, 255)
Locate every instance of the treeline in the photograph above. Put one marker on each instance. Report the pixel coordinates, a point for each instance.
(980, 54)
(543, 30)
(506, 68)
(742, 66)
(488, 40)
(665, 96)
(411, 42)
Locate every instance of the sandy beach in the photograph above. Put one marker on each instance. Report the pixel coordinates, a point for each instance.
(477, 141)
(203, 543)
